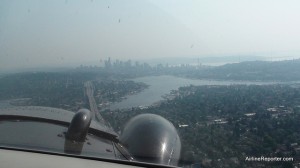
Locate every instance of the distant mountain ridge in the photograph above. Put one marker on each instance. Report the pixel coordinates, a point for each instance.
(288, 70)
(202, 59)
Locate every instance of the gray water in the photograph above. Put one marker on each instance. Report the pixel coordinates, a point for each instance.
(162, 85)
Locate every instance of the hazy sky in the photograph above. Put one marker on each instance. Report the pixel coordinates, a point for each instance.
(55, 32)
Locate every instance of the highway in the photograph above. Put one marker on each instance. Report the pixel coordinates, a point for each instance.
(89, 92)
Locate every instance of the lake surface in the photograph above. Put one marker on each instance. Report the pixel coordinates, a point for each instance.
(161, 85)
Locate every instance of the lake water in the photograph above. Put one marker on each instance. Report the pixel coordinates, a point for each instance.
(161, 85)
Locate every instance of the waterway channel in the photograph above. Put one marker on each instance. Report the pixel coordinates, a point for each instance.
(162, 85)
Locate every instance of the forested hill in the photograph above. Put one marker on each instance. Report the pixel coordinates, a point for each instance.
(254, 70)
